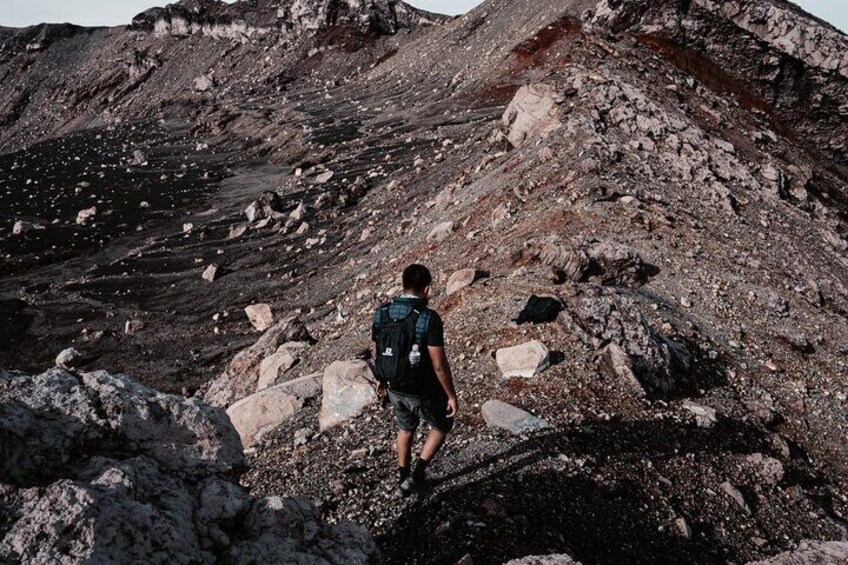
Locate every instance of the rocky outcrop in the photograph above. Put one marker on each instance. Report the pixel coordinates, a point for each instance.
(600, 317)
(532, 113)
(241, 377)
(96, 468)
(220, 21)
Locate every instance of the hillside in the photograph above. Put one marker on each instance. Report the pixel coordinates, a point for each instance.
(674, 173)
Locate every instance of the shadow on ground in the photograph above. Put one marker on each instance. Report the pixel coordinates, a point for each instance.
(528, 503)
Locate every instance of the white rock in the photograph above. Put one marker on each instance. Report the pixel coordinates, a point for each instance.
(532, 113)
(210, 273)
(705, 416)
(132, 327)
(69, 359)
(499, 414)
(85, 215)
(526, 360)
(260, 315)
(461, 279)
(262, 412)
(348, 388)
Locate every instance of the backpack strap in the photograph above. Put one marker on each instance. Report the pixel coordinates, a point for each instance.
(384, 314)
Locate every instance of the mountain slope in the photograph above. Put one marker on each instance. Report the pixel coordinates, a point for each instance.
(674, 173)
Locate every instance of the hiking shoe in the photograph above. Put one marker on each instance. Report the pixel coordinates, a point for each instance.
(411, 486)
(400, 492)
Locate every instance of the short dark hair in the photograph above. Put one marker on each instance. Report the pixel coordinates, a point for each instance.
(416, 278)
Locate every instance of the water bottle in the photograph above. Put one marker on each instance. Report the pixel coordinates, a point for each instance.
(414, 356)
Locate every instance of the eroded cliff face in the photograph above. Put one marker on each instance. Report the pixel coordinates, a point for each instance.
(671, 172)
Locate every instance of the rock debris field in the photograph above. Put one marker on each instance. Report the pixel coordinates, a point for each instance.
(200, 211)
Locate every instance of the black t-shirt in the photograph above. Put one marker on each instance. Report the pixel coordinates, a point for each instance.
(429, 332)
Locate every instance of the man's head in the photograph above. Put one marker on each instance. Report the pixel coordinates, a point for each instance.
(416, 280)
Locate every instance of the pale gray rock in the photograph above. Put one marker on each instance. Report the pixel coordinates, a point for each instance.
(210, 273)
(70, 358)
(260, 316)
(275, 365)
(348, 388)
(461, 279)
(204, 83)
(84, 216)
(440, 232)
(617, 363)
(525, 360)
(554, 559)
(705, 417)
(21, 227)
(241, 377)
(262, 412)
(532, 113)
(498, 414)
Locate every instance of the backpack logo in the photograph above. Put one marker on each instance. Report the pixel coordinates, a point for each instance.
(388, 352)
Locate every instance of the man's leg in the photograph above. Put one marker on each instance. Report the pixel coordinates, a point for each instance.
(434, 443)
(404, 448)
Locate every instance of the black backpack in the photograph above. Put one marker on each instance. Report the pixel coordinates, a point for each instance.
(394, 339)
(540, 310)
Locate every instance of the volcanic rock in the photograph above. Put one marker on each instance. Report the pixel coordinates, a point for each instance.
(241, 377)
(260, 315)
(262, 412)
(526, 360)
(210, 273)
(348, 388)
(440, 232)
(810, 553)
(70, 359)
(532, 113)
(461, 279)
(498, 414)
(554, 559)
(121, 472)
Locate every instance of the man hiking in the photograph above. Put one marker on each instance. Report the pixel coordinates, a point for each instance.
(412, 366)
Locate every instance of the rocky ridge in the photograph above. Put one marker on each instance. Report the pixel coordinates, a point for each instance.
(670, 172)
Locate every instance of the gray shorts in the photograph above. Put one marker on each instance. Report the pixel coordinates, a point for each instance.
(410, 410)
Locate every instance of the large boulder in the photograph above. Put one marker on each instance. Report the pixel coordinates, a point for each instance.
(498, 414)
(276, 365)
(261, 412)
(348, 388)
(241, 377)
(526, 360)
(97, 468)
(532, 113)
(461, 279)
(811, 553)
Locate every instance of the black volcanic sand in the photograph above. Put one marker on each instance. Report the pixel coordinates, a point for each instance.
(71, 284)
(49, 183)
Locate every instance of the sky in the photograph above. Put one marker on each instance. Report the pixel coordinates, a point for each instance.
(19, 13)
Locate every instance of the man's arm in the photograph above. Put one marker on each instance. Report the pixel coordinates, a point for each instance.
(445, 376)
